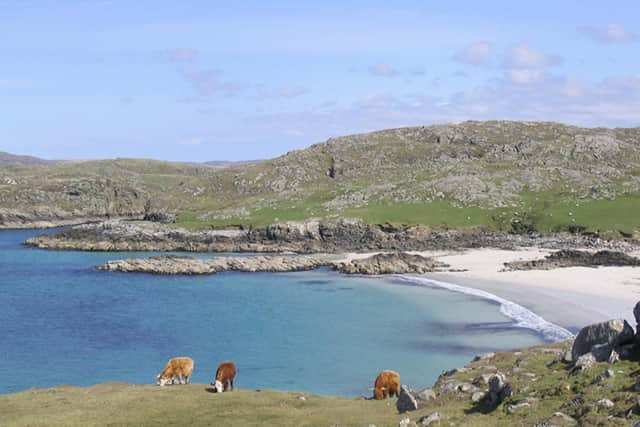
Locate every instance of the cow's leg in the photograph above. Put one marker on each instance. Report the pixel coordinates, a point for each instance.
(231, 384)
(187, 379)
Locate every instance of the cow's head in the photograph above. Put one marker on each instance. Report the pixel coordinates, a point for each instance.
(162, 381)
(378, 393)
(217, 386)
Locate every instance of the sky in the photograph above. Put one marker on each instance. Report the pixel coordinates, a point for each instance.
(242, 80)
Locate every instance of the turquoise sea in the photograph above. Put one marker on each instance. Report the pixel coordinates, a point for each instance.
(63, 322)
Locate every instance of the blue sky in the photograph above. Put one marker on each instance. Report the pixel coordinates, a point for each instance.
(246, 79)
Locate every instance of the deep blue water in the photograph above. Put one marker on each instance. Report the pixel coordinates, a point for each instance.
(63, 322)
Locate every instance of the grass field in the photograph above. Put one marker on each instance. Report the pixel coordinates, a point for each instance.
(540, 379)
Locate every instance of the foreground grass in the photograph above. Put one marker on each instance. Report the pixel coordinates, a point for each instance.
(137, 405)
(536, 375)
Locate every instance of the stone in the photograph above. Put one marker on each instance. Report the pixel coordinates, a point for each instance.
(562, 419)
(613, 357)
(506, 392)
(584, 362)
(466, 388)
(405, 422)
(567, 357)
(425, 395)
(613, 332)
(602, 352)
(406, 401)
(516, 406)
(430, 419)
(603, 376)
(484, 356)
(482, 380)
(478, 396)
(496, 382)
(605, 404)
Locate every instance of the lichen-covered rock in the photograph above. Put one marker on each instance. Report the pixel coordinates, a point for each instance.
(406, 400)
(613, 332)
(427, 420)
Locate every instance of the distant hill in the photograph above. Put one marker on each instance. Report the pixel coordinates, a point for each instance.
(7, 159)
(512, 176)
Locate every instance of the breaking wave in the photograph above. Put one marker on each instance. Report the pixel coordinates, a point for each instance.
(522, 317)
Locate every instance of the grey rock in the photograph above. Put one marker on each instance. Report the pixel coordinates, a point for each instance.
(430, 419)
(425, 395)
(406, 422)
(406, 401)
(605, 404)
(484, 356)
(604, 376)
(517, 406)
(482, 380)
(584, 362)
(496, 383)
(602, 352)
(478, 396)
(567, 357)
(506, 392)
(613, 332)
(561, 417)
(613, 357)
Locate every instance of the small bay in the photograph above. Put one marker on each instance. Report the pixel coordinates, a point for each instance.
(63, 322)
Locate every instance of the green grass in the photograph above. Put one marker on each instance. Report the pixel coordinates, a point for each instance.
(538, 377)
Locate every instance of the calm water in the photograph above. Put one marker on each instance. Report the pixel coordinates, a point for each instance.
(63, 322)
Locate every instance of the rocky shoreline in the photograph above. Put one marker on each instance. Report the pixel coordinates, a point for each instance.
(304, 237)
(392, 263)
(575, 258)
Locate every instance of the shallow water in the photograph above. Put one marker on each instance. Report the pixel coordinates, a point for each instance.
(63, 322)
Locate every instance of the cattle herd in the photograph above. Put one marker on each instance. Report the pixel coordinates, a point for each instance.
(179, 369)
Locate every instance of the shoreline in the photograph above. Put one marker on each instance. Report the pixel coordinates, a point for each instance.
(570, 297)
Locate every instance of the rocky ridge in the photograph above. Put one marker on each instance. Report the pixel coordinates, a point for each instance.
(388, 263)
(576, 258)
(302, 237)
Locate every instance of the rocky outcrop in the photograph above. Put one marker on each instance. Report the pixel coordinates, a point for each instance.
(173, 265)
(391, 263)
(395, 263)
(601, 338)
(301, 237)
(576, 258)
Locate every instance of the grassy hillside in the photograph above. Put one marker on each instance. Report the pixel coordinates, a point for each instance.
(512, 176)
(536, 375)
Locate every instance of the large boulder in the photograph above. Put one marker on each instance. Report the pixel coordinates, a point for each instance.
(612, 332)
(406, 400)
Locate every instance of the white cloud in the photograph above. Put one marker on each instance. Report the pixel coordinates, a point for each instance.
(475, 54)
(383, 70)
(524, 56)
(612, 33)
(525, 75)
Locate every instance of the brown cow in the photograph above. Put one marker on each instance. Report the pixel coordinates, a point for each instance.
(387, 384)
(176, 369)
(224, 377)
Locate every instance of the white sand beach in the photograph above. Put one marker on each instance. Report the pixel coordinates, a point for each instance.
(570, 297)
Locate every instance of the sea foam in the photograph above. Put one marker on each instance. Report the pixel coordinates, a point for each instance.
(522, 317)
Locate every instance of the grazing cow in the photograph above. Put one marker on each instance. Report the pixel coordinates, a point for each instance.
(387, 384)
(176, 369)
(224, 377)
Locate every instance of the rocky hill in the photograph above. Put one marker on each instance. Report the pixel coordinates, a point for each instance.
(7, 159)
(512, 176)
